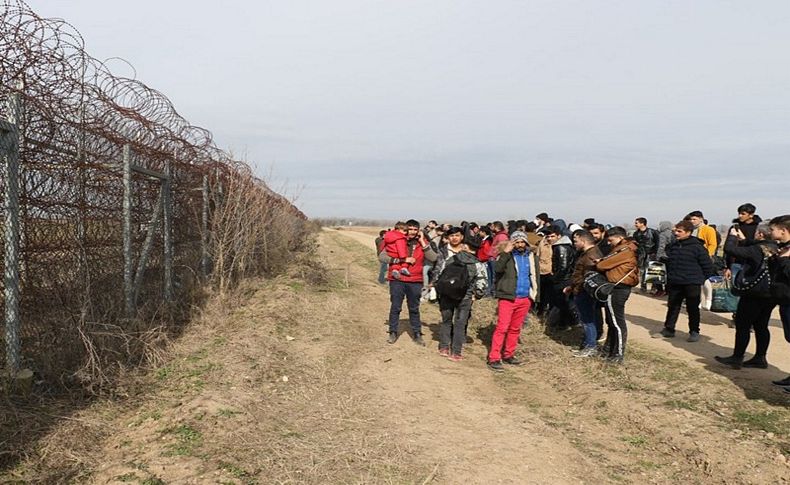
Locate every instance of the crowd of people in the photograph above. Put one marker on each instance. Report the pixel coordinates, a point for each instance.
(583, 274)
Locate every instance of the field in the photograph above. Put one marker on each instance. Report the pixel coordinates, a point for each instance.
(292, 382)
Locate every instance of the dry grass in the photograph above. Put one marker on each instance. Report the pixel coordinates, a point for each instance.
(220, 402)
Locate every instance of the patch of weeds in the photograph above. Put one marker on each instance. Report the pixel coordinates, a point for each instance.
(163, 373)
(138, 466)
(197, 356)
(187, 439)
(296, 285)
(127, 477)
(602, 418)
(202, 369)
(237, 472)
(153, 481)
(600, 404)
(635, 440)
(648, 465)
(663, 374)
(228, 413)
(219, 341)
(616, 478)
(631, 386)
(680, 404)
(768, 421)
(153, 415)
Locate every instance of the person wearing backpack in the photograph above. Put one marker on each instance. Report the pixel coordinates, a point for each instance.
(455, 276)
(516, 290)
(753, 285)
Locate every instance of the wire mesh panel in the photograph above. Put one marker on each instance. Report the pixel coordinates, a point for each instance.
(75, 119)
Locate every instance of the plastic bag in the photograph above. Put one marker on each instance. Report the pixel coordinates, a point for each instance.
(722, 299)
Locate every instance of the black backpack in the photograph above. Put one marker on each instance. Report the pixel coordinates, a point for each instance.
(453, 282)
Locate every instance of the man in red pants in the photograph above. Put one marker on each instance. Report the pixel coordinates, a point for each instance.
(516, 289)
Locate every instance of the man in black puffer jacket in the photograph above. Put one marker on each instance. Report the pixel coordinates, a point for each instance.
(755, 305)
(688, 266)
(562, 263)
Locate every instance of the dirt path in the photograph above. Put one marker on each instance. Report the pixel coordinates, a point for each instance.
(646, 315)
(294, 383)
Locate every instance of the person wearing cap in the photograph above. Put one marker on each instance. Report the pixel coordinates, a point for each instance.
(516, 290)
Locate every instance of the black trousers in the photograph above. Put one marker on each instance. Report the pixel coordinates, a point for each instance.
(455, 317)
(678, 293)
(617, 335)
(752, 313)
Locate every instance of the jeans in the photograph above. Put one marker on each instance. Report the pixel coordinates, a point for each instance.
(383, 273)
(752, 313)
(642, 263)
(678, 293)
(508, 327)
(426, 273)
(615, 305)
(585, 305)
(411, 291)
(455, 315)
(490, 269)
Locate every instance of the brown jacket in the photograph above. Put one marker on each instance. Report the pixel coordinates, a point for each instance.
(584, 263)
(619, 263)
(544, 256)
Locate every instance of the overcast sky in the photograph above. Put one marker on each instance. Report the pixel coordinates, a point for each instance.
(480, 110)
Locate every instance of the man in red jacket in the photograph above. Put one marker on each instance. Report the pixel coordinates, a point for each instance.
(408, 286)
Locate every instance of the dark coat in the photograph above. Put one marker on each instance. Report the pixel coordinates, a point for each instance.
(749, 231)
(688, 262)
(780, 278)
(506, 275)
(751, 253)
(647, 243)
(562, 260)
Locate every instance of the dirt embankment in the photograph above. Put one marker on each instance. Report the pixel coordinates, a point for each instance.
(293, 383)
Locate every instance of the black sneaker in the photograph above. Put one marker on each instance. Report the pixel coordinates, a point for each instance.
(392, 338)
(782, 382)
(418, 340)
(496, 366)
(693, 337)
(732, 361)
(756, 363)
(512, 361)
(615, 359)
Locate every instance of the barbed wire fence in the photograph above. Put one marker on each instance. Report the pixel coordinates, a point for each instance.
(111, 206)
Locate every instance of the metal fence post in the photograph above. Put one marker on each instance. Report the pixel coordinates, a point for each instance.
(204, 261)
(128, 282)
(10, 145)
(167, 236)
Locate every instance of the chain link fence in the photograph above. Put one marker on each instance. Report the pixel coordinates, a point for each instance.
(108, 203)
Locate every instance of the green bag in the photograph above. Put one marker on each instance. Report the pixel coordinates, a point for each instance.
(723, 300)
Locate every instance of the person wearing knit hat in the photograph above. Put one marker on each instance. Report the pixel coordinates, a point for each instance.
(519, 236)
(516, 290)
